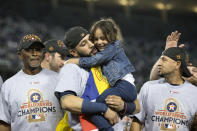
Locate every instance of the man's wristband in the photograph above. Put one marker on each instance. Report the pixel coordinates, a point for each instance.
(93, 107)
(129, 108)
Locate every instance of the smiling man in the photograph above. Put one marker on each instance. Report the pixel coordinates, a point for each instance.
(27, 98)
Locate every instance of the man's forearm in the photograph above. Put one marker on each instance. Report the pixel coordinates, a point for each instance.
(136, 125)
(137, 105)
(4, 126)
(71, 103)
(78, 105)
(154, 75)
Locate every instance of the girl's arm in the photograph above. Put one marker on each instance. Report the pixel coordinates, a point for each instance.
(99, 58)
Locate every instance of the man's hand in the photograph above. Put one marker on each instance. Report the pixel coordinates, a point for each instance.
(111, 116)
(4, 126)
(115, 102)
(194, 123)
(172, 40)
(193, 78)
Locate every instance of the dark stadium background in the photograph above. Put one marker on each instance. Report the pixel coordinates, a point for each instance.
(145, 25)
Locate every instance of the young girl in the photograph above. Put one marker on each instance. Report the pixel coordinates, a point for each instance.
(115, 66)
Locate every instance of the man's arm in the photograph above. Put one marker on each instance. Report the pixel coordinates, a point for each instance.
(78, 105)
(116, 103)
(137, 105)
(99, 58)
(4, 126)
(136, 125)
(154, 75)
(194, 123)
(131, 108)
(71, 103)
(171, 41)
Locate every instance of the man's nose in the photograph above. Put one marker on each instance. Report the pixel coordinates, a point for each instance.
(159, 62)
(90, 44)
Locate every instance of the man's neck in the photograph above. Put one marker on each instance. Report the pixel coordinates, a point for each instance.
(174, 79)
(32, 71)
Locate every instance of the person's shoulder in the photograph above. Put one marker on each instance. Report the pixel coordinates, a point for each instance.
(155, 82)
(49, 72)
(152, 86)
(71, 66)
(116, 43)
(14, 79)
(190, 85)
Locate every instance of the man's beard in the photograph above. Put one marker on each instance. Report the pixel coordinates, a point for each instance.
(86, 55)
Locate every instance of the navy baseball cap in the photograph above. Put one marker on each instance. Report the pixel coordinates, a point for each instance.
(58, 46)
(74, 35)
(178, 54)
(28, 40)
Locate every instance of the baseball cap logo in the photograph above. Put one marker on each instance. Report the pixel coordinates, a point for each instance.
(178, 57)
(51, 48)
(31, 37)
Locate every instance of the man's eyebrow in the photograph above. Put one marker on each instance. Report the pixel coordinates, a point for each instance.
(82, 42)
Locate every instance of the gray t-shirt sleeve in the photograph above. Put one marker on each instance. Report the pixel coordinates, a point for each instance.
(69, 79)
(1, 82)
(142, 96)
(4, 105)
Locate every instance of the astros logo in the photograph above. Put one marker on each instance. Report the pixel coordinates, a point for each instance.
(171, 107)
(178, 57)
(37, 108)
(51, 48)
(35, 97)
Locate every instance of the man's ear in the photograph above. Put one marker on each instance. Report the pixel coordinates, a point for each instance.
(73, 52)
(47, 56)
(20, 55)
(178, 64)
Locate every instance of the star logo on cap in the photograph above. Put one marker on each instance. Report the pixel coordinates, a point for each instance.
(178, 57)
(51, 48)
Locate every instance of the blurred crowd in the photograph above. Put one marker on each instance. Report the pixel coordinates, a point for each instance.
(143, 52)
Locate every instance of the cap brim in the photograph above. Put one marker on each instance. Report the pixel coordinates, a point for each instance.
(63, 52)
(186, 72)
(28, 44)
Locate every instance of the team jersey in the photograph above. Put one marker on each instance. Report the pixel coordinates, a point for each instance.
(28, 102)
(73, 78)
(167, 107)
